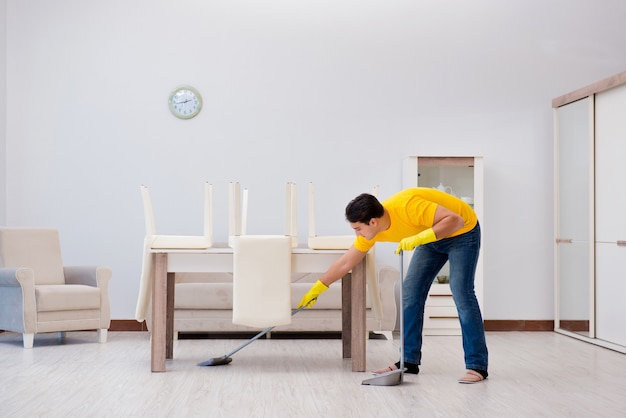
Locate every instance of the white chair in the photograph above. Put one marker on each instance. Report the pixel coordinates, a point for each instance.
(238, 212)
(179, 241)
(39, 294)
(154, 241)
(261, 265)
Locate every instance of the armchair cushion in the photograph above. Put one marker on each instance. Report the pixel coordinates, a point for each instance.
(66, 297)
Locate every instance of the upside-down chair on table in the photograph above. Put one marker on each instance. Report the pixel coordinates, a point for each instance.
(154, 241)
(262, 269)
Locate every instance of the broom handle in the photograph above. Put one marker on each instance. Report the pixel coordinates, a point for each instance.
(401, 310)
(262, 333)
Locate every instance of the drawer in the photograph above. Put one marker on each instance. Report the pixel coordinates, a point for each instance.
(442, 317)
(440, 289)
(440, 300)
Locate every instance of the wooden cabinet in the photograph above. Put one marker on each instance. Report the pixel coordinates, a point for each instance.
(440, 315)
(590, 228)
(463, 177)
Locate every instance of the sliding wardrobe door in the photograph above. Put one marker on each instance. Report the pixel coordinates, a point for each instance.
(573, 217)
(610, 215)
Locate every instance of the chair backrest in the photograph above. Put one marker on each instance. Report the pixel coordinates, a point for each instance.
(35, 248)
(262, 280)
(148, 211)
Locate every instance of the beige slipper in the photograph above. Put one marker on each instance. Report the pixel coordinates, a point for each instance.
(471, 376)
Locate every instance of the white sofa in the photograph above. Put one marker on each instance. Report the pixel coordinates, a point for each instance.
(203, 304)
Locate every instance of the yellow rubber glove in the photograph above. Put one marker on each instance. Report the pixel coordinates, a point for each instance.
(409, 243)
(311, 296)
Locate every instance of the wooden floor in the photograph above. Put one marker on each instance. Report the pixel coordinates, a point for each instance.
(532, 374)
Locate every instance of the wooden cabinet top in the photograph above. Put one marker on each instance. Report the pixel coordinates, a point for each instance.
(597, 87)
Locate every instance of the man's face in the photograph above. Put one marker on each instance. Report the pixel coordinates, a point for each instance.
(367, 231)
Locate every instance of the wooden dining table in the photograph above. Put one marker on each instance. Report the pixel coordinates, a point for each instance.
(167, 262)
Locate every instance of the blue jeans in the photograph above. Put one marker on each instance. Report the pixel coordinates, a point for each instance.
(462, 252)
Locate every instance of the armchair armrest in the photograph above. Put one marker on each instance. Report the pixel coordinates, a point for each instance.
(20, 276)
(18, 295)
(8, 276)
(96, 276)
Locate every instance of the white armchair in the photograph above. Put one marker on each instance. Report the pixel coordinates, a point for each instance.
(38, 294)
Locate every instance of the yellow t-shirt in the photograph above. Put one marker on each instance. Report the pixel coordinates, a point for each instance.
(412, 211)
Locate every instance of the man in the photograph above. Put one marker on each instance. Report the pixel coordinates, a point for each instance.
(438, 227)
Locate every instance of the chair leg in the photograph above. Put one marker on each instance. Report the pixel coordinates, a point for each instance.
(102, 336)
(62, 335)
(28, 340)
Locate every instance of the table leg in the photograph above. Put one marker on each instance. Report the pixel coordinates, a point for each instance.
(357, 286)
(346, 315)
(169, 317)
(159, 305)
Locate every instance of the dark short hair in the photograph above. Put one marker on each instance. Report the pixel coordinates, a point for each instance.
(363, 208)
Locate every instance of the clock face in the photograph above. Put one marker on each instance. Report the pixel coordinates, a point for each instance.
(185, 102)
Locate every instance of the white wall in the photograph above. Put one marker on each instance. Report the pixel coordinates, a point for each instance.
(3, 109)
(335, 92)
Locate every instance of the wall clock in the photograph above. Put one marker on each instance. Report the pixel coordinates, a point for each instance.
(185, 102)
